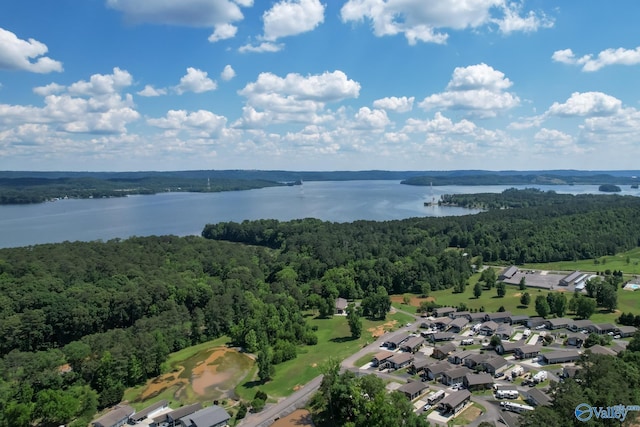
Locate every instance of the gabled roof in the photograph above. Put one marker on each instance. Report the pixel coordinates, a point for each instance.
(598, 349)
(478, 379)
(398, 338)
(490, 324)
(413, 387)
(441, 310)
(561, 354)
(421, 364)
(478, 358)
(341, 303)
(207, 417)
(529, 348)
(382, 355)
(560, 321)
(459, 322)
(400, 358)
(540, 397)
(571, 277)
(457, 372)
(505, 328)
(178, 413)
(456, 398)
(114, 416)
(462, 354)
(438, 368)
(496, 362)
(413, 342)
(138, 416)
(519, 317)
(509, 272)
(446, 348)
(581, 324)
(442, 336)
(627, 329)
(498, 315)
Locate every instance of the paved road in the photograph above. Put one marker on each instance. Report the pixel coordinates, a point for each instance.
(297, 400)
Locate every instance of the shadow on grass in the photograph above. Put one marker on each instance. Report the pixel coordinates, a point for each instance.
(524, 307)
(342, 339)
(251, 384)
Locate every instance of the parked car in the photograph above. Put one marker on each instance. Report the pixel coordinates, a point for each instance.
(617, 337)
(499, 375)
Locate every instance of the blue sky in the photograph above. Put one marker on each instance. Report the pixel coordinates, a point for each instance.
(310, 85)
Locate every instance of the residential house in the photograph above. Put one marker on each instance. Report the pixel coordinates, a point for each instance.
(508, 273)
(598, 349)
(443, 311)
(570, 371)
(575, 339)
(536, 397)
(495, 364)
(413, 344)
(534, 322)
(476, 317)
(380, 358)
(400, 360)
(395, 341)
(418, 366)
(504, 331)
(456, 314)
(579, 325)
(488, 328)
(455, 402)
(473, 382)
(519, 319)
(458, 324)
(455, 375)
(149, 411)
(602, 328)
(499, 317)
(117, 417)
(441, 336)
(507, 347)
(626, 331)
(527, 351)
(475, 359)
(561, 356)
(413, 389)
(458, 357)
(211, 416)
(442, 323)
(559, 323)
(172, 418)
(341, 306)
(443, 351)
(570, 279)
(435, 370)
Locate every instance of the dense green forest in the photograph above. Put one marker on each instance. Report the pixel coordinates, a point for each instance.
(79, 322)
(540, 178)
(23, 190)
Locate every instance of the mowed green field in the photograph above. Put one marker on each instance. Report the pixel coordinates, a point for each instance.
(334, 340)
(628, 262)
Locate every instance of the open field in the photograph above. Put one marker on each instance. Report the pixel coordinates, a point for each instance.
(334, 340)
(628, 262)
(299, 418)
(468, 415)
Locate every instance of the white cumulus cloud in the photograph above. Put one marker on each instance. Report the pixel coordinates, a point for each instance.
(196, 81)
(227, 73)
(590, 63)
(25, 55)
(223, 32)
(586, 104)
(262, 47)
(150, 91)
(202, 123)
(102, 84)
(49, 89)
(478, 89)
(367, 118)
(421, 20)
(291, 17)
(392, 103)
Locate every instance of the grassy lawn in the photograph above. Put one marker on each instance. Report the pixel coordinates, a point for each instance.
(628, 262)
(468, 415)
(334, 340)
(364, 359)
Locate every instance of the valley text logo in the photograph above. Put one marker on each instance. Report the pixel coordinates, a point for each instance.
(584, 412)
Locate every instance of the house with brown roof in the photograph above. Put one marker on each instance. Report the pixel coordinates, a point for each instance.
(441, 336)
(458, 357)
(495, 364)
(558, 323)
(443, 311)
(418, 366)
(380, 358)
(400, 360)
(507, 347)
(475, 359)
(473, 382)
(455, 402)
(413, 389)
(488, 328)
(116, 417)
(443, 351)
(458, 324)
(527, 351)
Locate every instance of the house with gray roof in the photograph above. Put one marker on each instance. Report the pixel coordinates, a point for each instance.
(458, 324)
(475, 359)
(602, 328)
(488, 328)
(458, 357)
(535, 321)
(473, 382)
(443, 311)
(149, 411)
(455, 402)
(413, 389)
(435, 370)
(172, 418)
(504, 331)
(559, 323)
(626, 331)
(536, 397)
(507, 347)
(456, 314)
(455, 375)
(400, 360)
(499, 317)
(212, 416)
(518, 319)
(117, 417)
(413, 344)
(476, 317)
(341, 305)
(508, 273)
(598, 349)
(441, 336)
(418, 366)
(495, 364)
(576, 339)
(570, 279)
(579, 325)
(394, 341)
(527, 351)
(561, 356)
(443, 351)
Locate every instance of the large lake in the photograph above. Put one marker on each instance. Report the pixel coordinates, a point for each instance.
(186, 213)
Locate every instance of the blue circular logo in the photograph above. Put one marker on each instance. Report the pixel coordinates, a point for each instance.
(583, 412)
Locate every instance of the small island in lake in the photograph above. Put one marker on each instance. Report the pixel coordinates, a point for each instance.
(609, 188)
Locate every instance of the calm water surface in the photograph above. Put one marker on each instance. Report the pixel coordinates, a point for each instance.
(187, 213)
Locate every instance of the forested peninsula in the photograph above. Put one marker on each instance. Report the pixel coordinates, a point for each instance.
(80, 321)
